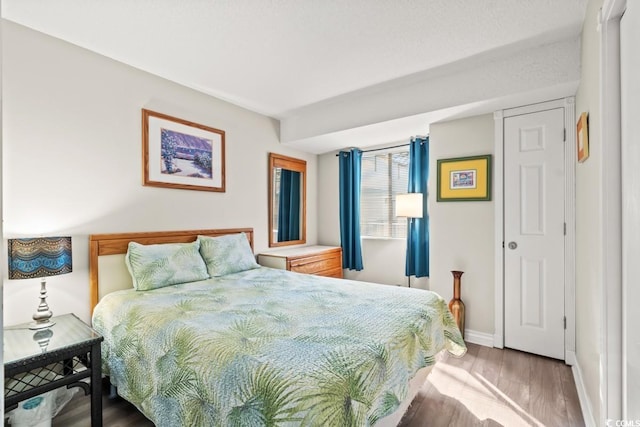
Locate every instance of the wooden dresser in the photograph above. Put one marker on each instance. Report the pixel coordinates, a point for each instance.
(318, 260)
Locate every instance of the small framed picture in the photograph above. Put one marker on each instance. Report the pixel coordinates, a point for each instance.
(177, 153)
(583, 137)
(464, 179)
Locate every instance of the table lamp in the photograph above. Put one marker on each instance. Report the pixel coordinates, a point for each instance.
(31, 258)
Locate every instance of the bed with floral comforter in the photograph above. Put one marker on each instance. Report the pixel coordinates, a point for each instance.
(271, 347)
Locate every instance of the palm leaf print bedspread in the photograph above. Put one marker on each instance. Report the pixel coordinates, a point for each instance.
(271, 347)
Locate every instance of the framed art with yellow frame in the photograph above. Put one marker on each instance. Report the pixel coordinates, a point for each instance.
(464, 179)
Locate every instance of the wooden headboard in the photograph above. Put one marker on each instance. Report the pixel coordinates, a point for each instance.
(117, 244)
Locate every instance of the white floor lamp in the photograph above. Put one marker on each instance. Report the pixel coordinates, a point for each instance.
(409, 206)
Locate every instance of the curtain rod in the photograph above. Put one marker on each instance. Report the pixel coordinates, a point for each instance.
(413, 138)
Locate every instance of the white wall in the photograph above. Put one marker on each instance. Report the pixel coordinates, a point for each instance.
(72, 160)
(589, 216)
(462, 233)
(383, 259)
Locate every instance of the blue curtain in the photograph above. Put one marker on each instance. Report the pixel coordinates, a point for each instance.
(418, 235)
(350, 167)
(289, 206)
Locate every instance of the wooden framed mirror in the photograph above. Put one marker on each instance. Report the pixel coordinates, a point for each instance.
(287, 200)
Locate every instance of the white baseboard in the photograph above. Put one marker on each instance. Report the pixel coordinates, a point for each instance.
(480, 338)
(585, 404)
(570, 358)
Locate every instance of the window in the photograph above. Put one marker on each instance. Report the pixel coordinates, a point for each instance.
(384, 174)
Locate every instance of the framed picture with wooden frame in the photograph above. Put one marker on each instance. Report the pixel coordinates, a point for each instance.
(177, 153)
(582, 134)
(464, 179)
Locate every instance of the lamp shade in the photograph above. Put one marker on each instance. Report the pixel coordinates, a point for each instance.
(39, 257)
(409, 205)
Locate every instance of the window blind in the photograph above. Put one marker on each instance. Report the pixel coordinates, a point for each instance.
(384, 174)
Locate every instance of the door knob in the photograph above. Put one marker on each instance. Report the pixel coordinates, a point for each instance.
(513, 245)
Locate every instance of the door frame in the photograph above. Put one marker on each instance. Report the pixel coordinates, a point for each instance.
(612, 358)
(568, 104)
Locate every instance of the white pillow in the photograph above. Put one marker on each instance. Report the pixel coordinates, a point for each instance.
(227, 254)
(156, 266)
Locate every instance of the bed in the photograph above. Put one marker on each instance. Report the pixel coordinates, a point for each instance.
(261, 346)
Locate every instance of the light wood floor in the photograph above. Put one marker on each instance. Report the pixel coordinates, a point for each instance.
(486, 387)
(492, 387)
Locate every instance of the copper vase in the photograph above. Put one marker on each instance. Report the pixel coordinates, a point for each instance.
(456, 306)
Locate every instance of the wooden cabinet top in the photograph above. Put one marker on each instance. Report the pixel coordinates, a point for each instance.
(301, 251)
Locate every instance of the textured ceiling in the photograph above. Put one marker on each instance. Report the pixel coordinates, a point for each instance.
(278, 56)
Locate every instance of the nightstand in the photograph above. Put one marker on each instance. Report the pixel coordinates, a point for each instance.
(36, 362)
(318, 260)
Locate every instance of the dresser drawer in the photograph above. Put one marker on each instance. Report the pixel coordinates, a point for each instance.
(336, 272)
(318, 260)
(317, 264)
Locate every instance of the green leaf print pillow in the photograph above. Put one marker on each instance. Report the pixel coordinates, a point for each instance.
(156, 266)
(227, 254)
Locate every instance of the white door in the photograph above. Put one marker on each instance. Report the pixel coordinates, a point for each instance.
(534, 232)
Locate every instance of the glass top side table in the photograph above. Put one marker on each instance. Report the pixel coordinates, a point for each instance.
(36, 362)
